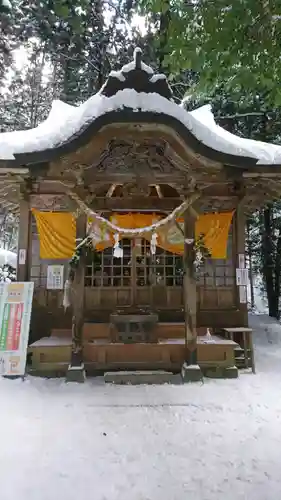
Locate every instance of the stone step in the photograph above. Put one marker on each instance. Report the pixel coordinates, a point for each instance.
(142, 377)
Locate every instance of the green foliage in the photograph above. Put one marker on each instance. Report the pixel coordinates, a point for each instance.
(236, 43)
(7, 273)
(75, 259)
(222, 52)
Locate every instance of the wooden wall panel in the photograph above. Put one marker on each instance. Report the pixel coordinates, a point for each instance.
(221, 298)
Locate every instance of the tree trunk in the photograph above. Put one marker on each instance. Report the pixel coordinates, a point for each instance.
(268, 267)
(165, 18)
(251, 276)
(277, 275)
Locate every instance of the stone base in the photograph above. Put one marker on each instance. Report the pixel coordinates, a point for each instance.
(141, 377)
(191, 373)
(14, 377)
(221, 372)
(76, 374)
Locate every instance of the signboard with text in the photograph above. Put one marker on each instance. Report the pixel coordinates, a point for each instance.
(15, 313)
(55, 277)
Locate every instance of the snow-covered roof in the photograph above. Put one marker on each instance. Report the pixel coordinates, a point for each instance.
(65, 122)
(7, 257)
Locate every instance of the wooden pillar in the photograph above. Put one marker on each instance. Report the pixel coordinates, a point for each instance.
(191, 370)
(76, 371)
(24, 238)
(240, 230)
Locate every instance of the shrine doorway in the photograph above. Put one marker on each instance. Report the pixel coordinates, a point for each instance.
(138, 280)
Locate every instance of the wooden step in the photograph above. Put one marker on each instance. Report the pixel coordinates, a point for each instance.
(153, 377)
(103, 355)
(104, 331)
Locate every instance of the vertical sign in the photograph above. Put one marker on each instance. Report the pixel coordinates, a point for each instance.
(15, 313)
(22, 256)
(243, 294)
(242, 277)
(55, 277)
(241, 259)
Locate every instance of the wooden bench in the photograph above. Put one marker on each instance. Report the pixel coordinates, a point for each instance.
(235, 334)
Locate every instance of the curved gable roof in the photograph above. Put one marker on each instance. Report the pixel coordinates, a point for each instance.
(134, 94)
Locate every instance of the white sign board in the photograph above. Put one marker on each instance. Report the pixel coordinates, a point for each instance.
(55, 278)
(241, 258)
(242, 277)
(243, 294)
(22, 256)
(15, 312)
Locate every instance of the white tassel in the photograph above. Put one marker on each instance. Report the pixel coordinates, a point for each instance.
(66, 295)
(209, 336)
(95, 235)
(117, 251)
(153, 243)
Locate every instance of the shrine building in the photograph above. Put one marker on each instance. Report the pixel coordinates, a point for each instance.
(157, 197)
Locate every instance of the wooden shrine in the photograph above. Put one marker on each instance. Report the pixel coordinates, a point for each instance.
(141, 311)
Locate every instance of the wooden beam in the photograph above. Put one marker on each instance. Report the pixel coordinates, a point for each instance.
(158, 190)
(93, 178)
(190, 288)
(111, 190)
(134, 203)
(142, 203)
(23, 238)
(59, 187)
(76, 369)
(263, 171)
(240, 231)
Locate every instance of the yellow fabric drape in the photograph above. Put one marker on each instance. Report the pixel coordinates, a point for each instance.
(57, 234)
(215, 229)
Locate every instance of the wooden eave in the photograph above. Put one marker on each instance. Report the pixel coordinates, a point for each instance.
(262, 182)
(128, 117)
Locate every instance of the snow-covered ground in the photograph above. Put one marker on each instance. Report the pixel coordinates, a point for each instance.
(219, 440)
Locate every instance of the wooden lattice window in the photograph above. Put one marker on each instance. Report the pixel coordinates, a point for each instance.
(219, 272)
(163, 268)
(103, 269)
(136, 266)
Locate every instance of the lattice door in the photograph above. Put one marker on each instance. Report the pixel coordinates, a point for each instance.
(138, 279)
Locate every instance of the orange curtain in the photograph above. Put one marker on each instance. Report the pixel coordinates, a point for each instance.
(215, 230)
(213, 227)
(57, 234)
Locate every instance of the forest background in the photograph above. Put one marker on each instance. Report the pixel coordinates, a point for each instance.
(212, 51)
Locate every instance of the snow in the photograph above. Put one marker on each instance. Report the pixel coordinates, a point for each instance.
(7, 257)
(265, 152)
(6, 151)
(158, 76)
(132, 65)
(65, 121)
(7, 4)
(213, 441)
(260, 300)
(118, 75)
(52, 341)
